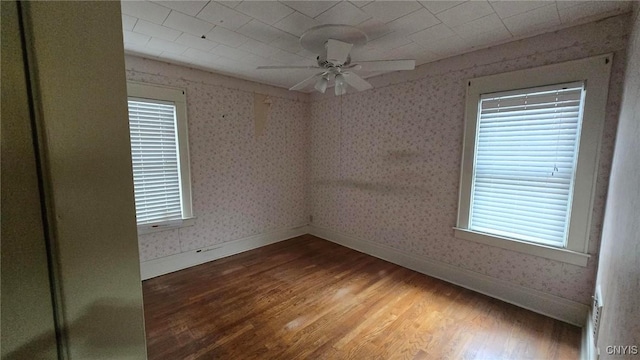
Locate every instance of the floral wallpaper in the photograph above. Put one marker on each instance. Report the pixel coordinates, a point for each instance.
(243, 183)
(619, 268)
(385, 163)
(381, 165)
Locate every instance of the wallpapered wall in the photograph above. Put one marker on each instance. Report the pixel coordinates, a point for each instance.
(243, 183)
(619, 269)
(385, 163)
(382, 165)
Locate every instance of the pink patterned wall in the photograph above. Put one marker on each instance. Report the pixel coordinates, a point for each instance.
(385, 163)
(382, 165)
(243, 183)
(619, 268)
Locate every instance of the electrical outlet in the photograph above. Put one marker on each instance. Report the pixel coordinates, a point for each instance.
(596, 313)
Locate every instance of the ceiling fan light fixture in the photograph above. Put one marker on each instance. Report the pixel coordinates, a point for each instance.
(340, 87)
(333, 44)
(321, 84)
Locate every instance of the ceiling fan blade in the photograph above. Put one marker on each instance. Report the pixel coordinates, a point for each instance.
(287, 67)
(338, 51)
(306, 82)
(384, 65)
(356, 81)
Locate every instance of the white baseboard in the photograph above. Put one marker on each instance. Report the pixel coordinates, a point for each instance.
(553, 306)
(156, 267)
(549, 305)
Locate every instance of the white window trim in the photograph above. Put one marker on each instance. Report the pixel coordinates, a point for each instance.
(178, 97)
(595, 72)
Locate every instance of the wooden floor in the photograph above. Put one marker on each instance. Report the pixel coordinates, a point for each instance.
(307, 298)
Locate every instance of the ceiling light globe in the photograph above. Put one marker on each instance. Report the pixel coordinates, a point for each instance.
(340, 87)
(321, 84)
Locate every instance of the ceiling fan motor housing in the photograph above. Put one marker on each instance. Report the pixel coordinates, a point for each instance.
(324, 63)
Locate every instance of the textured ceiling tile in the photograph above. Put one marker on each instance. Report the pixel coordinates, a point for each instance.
(225, 36)
(296, 23)
(185, 23)
(230, 3)
(269, 12)
(439, 6)
(388, 42)
(196, 42)
(176, 58)
(478, 26)
(202, 56)
(465, 12)
(386, 11)
(414, 32)
(533, 21)
(343, 13)
(287, 42)
(258, 48)
(155, 30)
(591, 8)
(566, 4)
(360, 3)
(414, 22)
(128, 22)
(490, 37)
(254, 60)
(228, 52)
(374, 28)
(448, 46)
(410, 51)
(166, 46)
(310, 8)
(186, 7)
(506, 8)
(221, 15)
(431, 34)
(260, 31)
(135, 38)
(287, 58)
(145, 10)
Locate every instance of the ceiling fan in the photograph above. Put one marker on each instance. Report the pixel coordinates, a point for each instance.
(333, 44)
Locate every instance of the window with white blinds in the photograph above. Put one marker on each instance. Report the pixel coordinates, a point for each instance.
(526, 151)
(530, 158)
(157, 124)
(154, 151)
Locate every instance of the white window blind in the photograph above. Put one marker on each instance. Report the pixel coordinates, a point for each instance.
(156, 168)
(525, 161)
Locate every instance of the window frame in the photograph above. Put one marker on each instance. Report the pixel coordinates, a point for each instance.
(177, 96)
(595, 72)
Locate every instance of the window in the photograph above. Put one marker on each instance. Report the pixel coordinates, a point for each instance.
(530, 158)
(160, 156)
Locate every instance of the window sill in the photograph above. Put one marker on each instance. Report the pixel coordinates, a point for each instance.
(549, 252)
(164, 226)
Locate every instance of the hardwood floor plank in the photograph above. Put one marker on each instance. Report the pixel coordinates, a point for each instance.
(307, 298)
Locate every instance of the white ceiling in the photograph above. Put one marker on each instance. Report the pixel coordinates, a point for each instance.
(234, 37)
